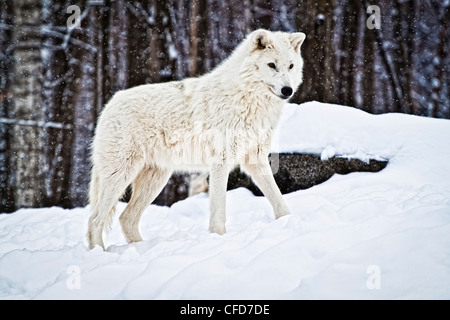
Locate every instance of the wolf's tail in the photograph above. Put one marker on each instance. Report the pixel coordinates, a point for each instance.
(94, 187)
(103, 200)
(98, 220)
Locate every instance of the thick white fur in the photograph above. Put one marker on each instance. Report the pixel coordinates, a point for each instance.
(211, 123)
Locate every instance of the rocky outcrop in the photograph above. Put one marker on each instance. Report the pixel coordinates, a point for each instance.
(301, 171)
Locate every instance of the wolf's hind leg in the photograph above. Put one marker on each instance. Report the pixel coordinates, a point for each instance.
(146, 187)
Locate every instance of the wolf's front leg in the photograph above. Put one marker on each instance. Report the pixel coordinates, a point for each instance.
(217, 193)
(261, 174)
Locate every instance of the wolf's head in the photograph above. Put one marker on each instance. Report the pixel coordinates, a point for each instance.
(274, 61)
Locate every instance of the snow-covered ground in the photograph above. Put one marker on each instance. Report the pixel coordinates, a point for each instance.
(359, 236)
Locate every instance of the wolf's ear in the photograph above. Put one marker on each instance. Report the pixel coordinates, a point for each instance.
(260, 39)
(297, 40)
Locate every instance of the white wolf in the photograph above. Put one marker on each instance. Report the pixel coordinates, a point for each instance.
(211, 123)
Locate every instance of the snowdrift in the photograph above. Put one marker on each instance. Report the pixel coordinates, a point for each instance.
(382, 235)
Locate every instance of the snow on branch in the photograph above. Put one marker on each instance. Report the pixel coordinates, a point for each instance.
(34, 123)
(45, 30)
(140, 13)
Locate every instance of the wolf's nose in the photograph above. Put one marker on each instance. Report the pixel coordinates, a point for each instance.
(286, 91)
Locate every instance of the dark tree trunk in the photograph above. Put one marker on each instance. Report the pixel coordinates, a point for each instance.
(55, 76)
(7, 203)
(369, 72)
(315, 18)
(84, 113)
(438, 81)
(138, 34)
(198, 28)
(117, 49)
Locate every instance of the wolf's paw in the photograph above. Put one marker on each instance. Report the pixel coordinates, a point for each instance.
(219, 229)
(281, 214)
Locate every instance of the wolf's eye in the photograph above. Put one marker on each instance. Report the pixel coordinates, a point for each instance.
(272, 65)
(291, 66)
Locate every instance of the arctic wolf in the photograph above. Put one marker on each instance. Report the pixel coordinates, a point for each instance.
(211, 123)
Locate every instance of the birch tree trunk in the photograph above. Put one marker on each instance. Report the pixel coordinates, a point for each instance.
(26, 141)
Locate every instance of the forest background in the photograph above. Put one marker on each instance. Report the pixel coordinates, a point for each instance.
(56, 75)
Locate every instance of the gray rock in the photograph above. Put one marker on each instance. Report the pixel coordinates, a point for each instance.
(301, 171)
